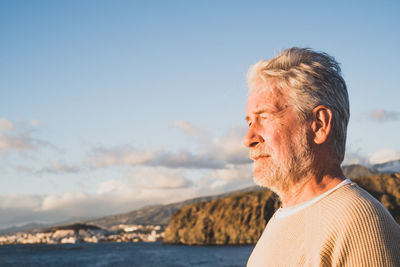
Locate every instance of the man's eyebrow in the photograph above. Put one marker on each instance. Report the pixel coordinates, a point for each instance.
(260, 111)
(264, 110)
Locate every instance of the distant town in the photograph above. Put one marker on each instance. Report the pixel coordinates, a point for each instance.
(84, 233)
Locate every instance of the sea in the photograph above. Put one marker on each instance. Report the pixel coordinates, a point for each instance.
(123, 254)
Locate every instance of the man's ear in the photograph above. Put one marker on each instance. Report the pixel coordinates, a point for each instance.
(321, 124)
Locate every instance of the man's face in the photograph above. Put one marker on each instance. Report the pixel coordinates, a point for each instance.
(277, 139)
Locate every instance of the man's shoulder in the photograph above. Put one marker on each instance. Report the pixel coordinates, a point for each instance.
(355, 227)
(352, 197)
(353, 206)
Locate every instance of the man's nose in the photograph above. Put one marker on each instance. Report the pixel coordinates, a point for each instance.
(252, 138)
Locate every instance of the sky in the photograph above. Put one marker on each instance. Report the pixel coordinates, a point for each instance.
(108, 106)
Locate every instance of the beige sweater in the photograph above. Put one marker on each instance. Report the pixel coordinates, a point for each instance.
(348, 227)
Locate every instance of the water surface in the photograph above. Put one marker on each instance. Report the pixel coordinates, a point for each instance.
(123, 254)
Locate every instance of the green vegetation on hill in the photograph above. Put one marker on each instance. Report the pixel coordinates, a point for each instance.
(241, 218)
(237, 219)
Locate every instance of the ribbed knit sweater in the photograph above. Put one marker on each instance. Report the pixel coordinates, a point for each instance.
(347, 227)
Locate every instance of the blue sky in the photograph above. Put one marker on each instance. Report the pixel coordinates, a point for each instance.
(109, 106)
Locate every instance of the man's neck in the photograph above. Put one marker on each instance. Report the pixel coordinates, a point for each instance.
(311, 187)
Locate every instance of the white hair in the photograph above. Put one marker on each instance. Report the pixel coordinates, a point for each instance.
(310, 78)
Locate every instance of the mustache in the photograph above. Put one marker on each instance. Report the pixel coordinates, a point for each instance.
(258, 152)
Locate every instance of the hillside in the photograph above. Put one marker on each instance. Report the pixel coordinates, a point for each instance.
(241, 218)
(388, 167)
(237, 219)
(356, 170)
(156, 214)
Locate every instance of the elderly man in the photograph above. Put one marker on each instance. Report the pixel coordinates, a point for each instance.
(297, 115)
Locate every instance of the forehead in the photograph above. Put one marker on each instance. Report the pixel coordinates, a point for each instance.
(264, 96)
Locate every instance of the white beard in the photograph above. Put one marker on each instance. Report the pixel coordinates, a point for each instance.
(281, 175)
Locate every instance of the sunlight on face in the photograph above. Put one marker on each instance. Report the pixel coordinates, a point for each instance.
(277, 140)
(284, 168)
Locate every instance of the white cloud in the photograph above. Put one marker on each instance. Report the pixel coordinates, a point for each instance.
(188, 128)
(121, 155)
(56, 167)
(234, 172)
(230, 148)
(128, 155)
(159, 178)
(355, 158)
(111, 186)
(220, 186)
(370, 159)
(10, 140)
(383, 115)
(146, 178)
(5, 124)
(22, 168)
(66, 201)
(383, 156)
(18, 137)
(35, 123)
(232, 177)
(212, 153)
(186, 159)
(19, 201)
(216, 153)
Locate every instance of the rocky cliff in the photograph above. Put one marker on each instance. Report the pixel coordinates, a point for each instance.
(156, 214)
(241, 218)
(237, 219)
